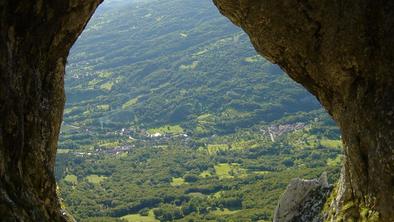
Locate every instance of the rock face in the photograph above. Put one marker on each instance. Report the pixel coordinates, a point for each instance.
(35, 37)
(343, 53)
(303, 200)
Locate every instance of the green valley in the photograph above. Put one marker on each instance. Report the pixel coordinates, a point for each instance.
(172, 116)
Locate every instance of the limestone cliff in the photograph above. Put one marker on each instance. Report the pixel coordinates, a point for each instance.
(342, 52)
(303, 200)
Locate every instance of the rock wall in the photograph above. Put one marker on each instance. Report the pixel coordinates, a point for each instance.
(303, 200)
(35, 37)
(342, 52)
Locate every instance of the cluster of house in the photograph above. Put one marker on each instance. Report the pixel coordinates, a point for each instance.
(145, 135)
(132, 134)
(111, 151)
(274, 131)
(116, 150)
(158, 135)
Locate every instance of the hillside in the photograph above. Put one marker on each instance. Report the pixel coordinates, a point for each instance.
(171, 63)
(171, 114)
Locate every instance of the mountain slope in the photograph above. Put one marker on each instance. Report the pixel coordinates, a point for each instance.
(170, 62)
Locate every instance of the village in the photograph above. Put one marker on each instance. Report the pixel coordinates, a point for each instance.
(275, 131)
(141, 137)
(130, 137)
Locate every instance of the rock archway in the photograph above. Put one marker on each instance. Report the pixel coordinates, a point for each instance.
(341, 51)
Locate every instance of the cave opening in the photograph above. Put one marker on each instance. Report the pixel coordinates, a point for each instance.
(341, 52)
(140, 76)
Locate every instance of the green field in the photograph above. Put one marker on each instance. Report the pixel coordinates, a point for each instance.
(335, 162)
(130, 103)
(177, 181)
(95, 179)
(71, 179)
(167, 129)
(139, 218)
(225, 211)
(214, 148)
(205, 174)
(242, 144)
(226, 171)
(331, 143)
(107, 86)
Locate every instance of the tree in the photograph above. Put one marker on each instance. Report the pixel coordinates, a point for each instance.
(190, 178)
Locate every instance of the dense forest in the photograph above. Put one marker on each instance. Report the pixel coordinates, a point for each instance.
(172, 116)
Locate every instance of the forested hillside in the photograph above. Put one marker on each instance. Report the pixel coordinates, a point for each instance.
(169, 63)
(171, 115)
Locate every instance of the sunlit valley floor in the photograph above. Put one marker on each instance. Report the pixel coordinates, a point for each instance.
(172, 116)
